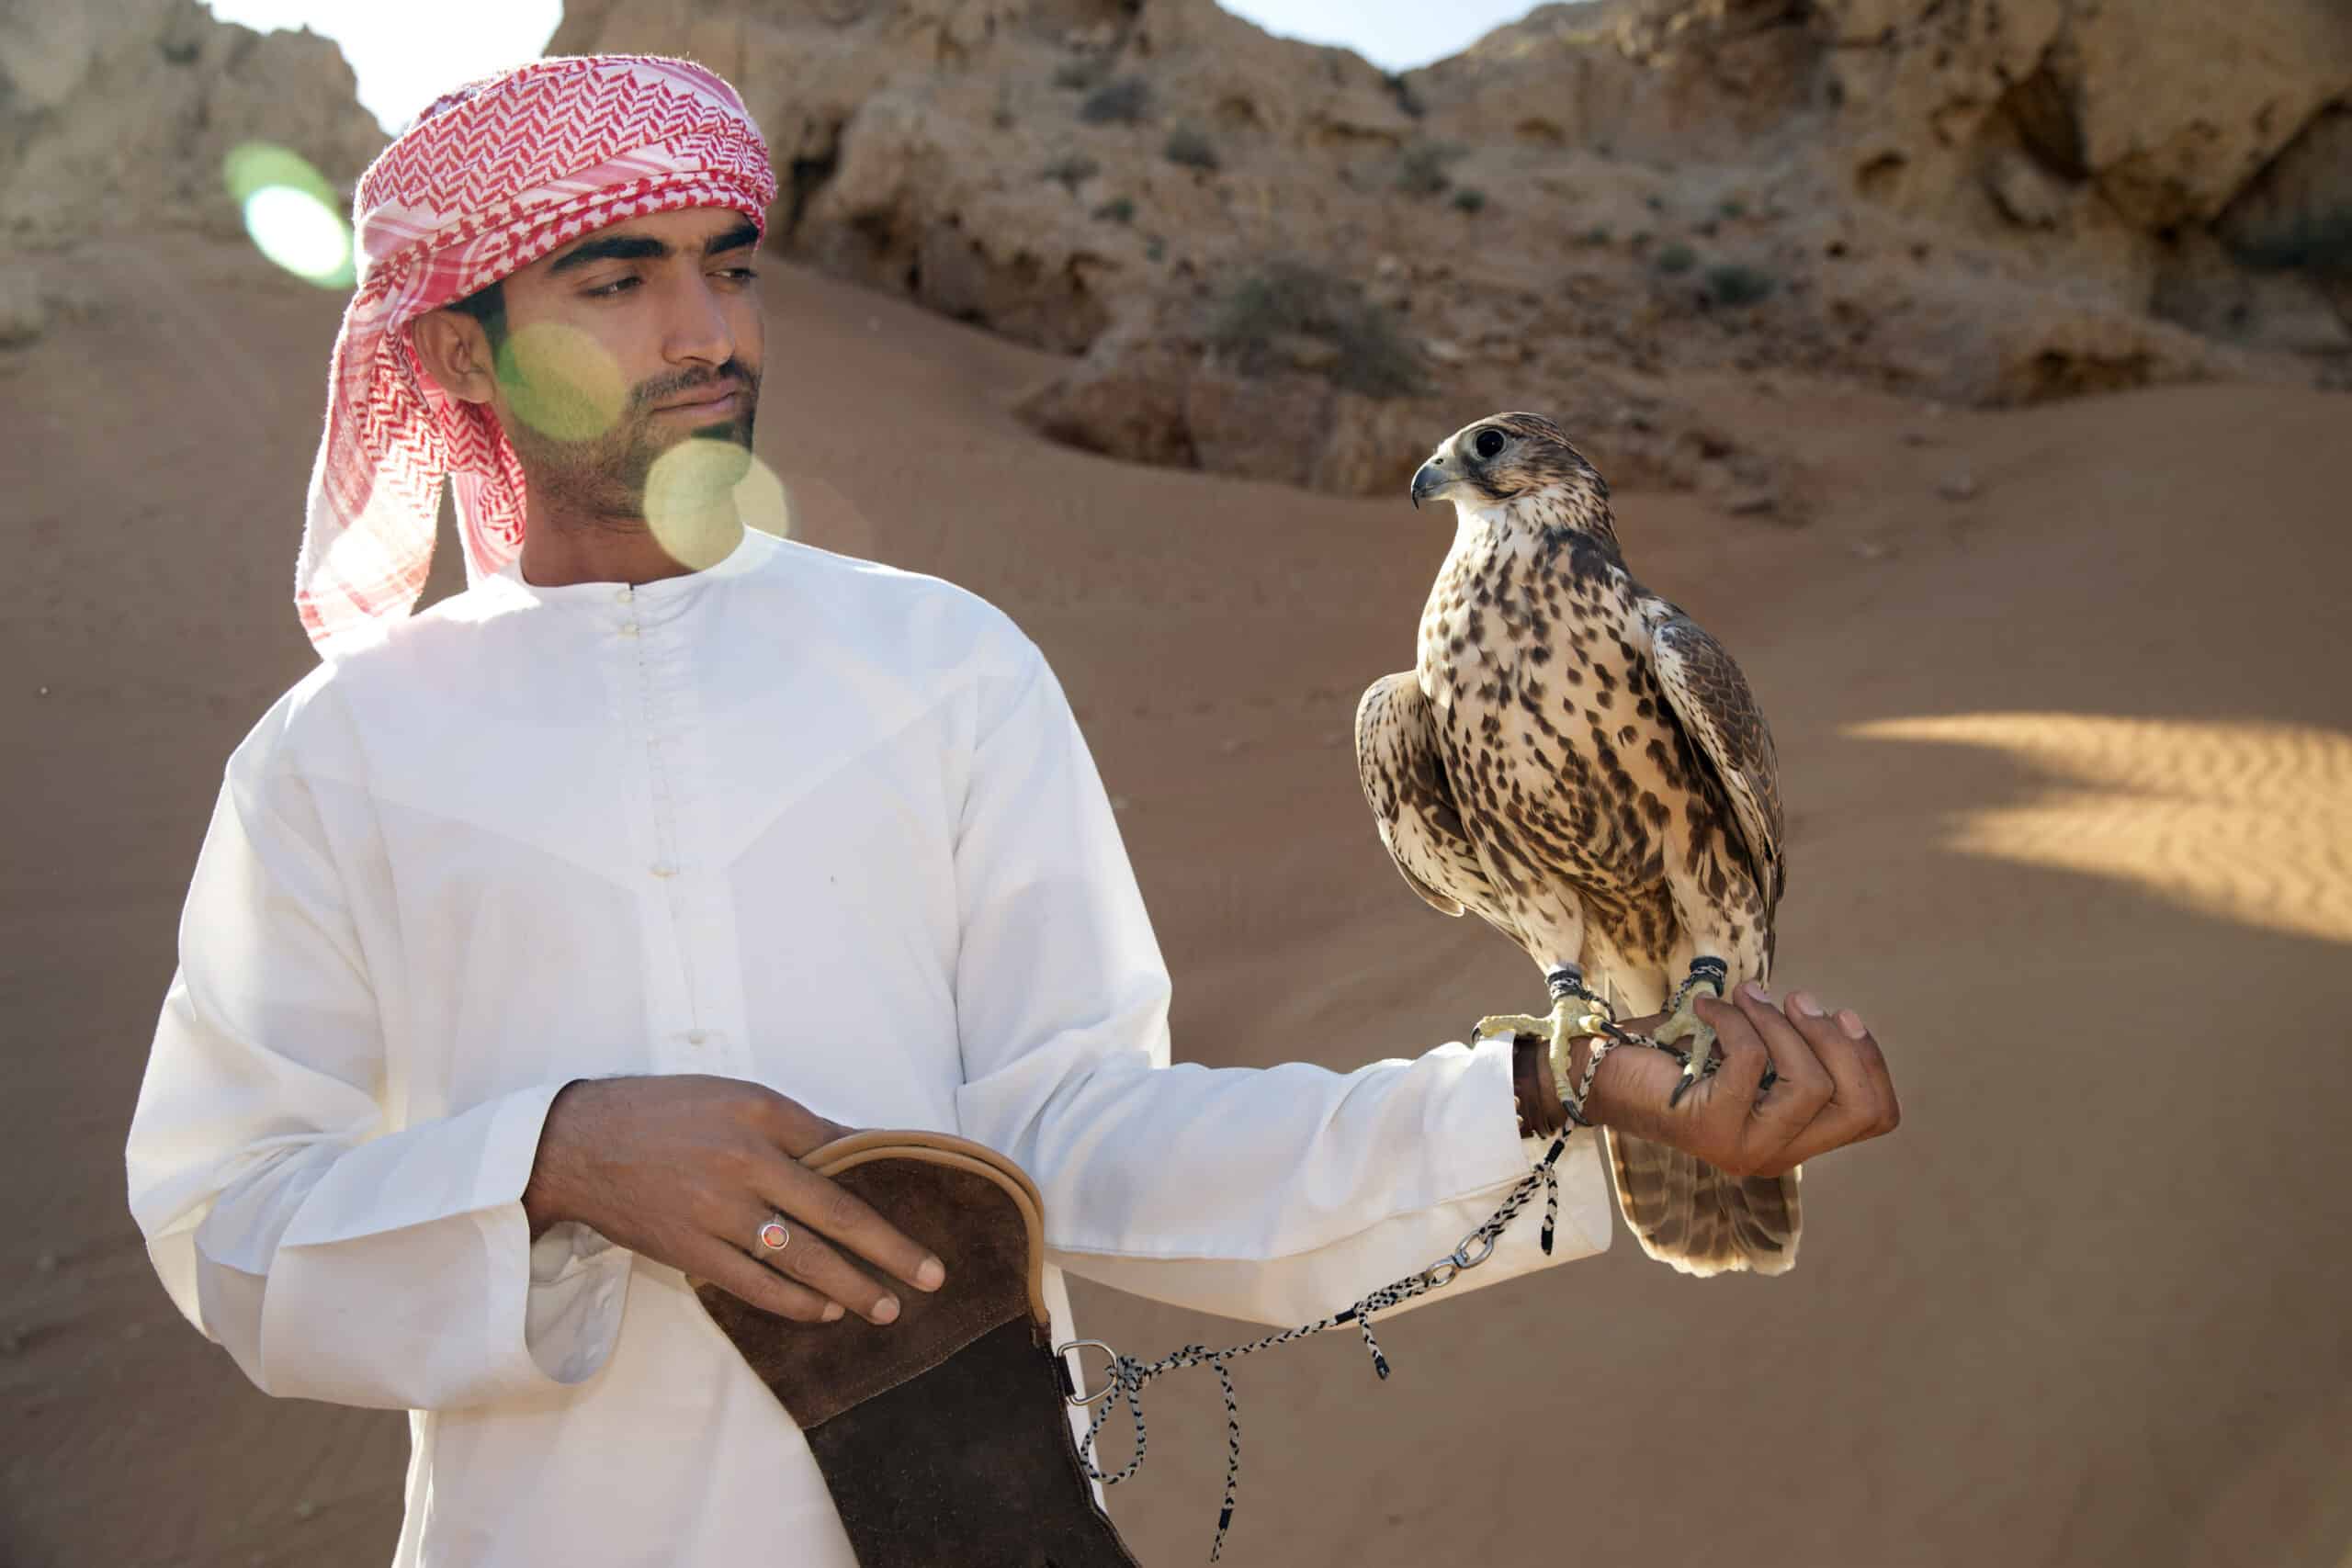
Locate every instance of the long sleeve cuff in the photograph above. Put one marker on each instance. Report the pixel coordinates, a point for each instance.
(406, 1276)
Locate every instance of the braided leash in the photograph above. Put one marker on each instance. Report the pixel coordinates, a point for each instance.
(1126, 1376)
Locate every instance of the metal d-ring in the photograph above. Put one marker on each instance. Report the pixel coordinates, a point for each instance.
(1110, 1387)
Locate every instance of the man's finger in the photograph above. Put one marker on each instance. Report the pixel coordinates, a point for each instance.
(1723, 1133)
(1861, 1102)
(806, 1256)
(1800, 1086)
(851, 1223)
(1795, 1064)
(1853, 1056)
(727, 1267)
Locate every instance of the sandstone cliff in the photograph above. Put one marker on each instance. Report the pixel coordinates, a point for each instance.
(1267, 258)
(1273, 260)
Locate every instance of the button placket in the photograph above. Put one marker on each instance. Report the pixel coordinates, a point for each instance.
(662, 663)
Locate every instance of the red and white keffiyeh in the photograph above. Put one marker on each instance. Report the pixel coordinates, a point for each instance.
(489, 179)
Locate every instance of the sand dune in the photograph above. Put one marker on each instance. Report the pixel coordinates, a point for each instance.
(2066, 764)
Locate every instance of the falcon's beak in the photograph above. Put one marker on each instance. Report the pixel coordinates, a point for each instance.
(1427, 482)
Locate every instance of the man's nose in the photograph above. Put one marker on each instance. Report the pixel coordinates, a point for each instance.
(699, 329)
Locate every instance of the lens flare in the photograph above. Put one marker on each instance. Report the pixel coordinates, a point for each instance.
(762, 501)
(561, 382)
(689, 499)
(290, 213)
(293, 230)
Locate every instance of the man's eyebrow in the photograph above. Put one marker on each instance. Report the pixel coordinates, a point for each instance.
(645, 247)
(743, 234)
(618, 247)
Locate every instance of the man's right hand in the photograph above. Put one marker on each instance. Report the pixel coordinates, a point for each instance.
(685, 1170)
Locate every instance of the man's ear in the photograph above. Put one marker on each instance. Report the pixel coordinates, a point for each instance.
(455, 350)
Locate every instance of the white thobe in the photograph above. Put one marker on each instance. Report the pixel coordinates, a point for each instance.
(795, 819)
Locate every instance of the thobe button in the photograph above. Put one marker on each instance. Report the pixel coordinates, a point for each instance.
(663, 868)
(622, 596)
(697, 1036)
(628, 628)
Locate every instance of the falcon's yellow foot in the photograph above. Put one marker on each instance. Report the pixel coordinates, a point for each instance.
(1683, 1024)
(1570, 1017)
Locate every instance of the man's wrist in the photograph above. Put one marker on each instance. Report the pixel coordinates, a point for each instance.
(545, 1201)
(1536, 1089)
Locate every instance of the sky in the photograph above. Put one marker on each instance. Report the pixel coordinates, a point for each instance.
(404, 55)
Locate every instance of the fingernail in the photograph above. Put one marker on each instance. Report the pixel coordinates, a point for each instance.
(932, 1274)
(833, 1310)
(887, 1311)
(1755, 992)
(1852, 1022)
(1803, 1001)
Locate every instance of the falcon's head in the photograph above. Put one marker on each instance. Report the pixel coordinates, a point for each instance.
(1518, 468)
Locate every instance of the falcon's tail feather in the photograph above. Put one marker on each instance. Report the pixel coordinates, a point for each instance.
(1690, 1214)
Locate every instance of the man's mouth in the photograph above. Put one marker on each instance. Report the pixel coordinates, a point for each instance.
(712, 405)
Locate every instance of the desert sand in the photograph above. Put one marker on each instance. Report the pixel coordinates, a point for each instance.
(2065, 722)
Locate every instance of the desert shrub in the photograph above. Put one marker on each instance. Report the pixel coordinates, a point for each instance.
(1733, 210)
(1676, 257)
(1595, 235)
(1421, 169)
(1733, 284)
(1118, 210)
(1470, 199)
(1077, 75)
(1122, 102)
(1282, 297)
(1072, 169)
(1190, 148)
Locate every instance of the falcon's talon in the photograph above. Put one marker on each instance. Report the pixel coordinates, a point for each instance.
(1684, 1022)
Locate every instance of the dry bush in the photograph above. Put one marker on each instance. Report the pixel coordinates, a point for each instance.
(1286, 296)
(1420, 167)
(1122, 102)
(1190, 148)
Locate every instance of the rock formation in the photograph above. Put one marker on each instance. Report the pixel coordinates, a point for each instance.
(1268, 258)
(117, 118)
(1982, 201)
(120, 114)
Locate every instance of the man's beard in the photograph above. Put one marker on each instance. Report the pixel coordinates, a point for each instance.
(643, 462)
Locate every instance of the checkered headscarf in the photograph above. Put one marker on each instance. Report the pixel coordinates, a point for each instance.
(489, 179)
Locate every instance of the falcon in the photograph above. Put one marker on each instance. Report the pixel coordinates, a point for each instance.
(1577, 763)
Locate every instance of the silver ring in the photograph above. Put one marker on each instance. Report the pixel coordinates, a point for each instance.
(775, 1236)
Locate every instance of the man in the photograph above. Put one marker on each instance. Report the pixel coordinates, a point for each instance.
(535, 937)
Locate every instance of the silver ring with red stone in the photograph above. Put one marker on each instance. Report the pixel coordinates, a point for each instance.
(774, 1237)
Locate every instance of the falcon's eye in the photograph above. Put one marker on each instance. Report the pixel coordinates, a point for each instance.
(1488, 442)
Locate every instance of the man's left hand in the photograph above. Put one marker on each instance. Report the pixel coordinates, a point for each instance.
(1831, 1087)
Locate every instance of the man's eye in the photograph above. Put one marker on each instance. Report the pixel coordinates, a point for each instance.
(741, 274)
(610, 288)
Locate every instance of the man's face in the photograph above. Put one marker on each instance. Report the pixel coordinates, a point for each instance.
(630, 376)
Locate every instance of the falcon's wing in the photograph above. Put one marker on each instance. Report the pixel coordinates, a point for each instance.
(1711, 697)
(1412, 802)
